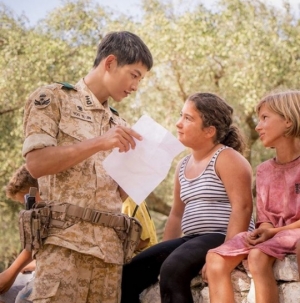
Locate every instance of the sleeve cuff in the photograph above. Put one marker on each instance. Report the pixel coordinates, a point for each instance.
(37, 141)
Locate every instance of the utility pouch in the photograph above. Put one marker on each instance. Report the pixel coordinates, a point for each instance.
(33, 226)
(130, 237)
(29, 199)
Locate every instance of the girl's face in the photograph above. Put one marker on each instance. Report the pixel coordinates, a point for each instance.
(271, 127)
(190, 126)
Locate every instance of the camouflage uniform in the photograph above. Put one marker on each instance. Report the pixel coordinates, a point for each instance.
(62, 115)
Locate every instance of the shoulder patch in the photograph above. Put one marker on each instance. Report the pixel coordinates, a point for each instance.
(67, 85)
(43, 101)
(114, 111)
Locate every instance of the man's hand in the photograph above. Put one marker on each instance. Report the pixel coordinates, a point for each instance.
(121, 137)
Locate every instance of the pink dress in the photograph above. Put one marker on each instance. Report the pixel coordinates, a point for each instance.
(278, 203)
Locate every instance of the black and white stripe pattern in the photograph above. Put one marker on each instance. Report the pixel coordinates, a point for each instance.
(207, 208)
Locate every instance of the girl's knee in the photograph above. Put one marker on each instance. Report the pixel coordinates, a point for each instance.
(255, 257)
(215, 264)
(259, 262)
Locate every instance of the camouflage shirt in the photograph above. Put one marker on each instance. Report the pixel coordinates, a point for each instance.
(62, 115)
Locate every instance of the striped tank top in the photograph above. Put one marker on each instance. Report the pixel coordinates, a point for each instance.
(207, 207)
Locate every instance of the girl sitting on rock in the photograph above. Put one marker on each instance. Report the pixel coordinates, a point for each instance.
(278, 206)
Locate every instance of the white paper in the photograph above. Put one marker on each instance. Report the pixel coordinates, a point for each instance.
(139, 171)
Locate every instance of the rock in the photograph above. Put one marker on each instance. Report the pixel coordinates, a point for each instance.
(285, 272)
(289, 292)
(287, 269)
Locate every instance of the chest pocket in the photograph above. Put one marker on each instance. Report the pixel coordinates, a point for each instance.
(77, 125)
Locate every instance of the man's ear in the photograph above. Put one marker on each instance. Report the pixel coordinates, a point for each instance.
(110, 61)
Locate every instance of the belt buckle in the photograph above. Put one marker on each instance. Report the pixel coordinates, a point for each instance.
(87, 214)
(96, 215)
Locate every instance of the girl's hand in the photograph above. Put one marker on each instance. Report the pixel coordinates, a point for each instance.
(203, 274)
(260, 235)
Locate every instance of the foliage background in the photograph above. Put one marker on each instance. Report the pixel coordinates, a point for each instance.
(241, 51)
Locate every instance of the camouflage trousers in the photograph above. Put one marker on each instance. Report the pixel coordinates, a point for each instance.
(64, 275)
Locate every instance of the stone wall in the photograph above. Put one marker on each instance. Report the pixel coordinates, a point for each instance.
(286, 274)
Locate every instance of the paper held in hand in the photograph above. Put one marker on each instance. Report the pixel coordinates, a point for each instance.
(140, 171)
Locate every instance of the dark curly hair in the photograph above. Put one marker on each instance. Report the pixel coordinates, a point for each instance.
(214, 111)
(20, 182)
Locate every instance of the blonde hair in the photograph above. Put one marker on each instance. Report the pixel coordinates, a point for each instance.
(287, 105)
(20, 182)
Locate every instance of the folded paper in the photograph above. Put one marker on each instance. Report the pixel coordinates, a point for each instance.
(140, 171)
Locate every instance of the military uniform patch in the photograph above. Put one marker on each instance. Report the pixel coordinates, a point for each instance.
(88, 101)
(43, 101)
(82, 116)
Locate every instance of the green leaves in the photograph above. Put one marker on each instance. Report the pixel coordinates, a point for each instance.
(240, 50)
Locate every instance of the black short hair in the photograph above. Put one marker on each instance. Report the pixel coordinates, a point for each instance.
(127, 47)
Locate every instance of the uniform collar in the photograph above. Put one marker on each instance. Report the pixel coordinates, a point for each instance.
(90, 101)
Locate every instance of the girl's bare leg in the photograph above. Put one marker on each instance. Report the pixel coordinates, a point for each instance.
(218, 271)
(261, 268)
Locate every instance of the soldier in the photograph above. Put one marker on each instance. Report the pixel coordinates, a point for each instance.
(15, 283)
(69, 130)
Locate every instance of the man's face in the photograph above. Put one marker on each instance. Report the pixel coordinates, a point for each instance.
(123, 80)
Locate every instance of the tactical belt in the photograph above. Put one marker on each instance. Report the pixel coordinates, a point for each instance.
(36, 223)
(127, 228)
(59, 213)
